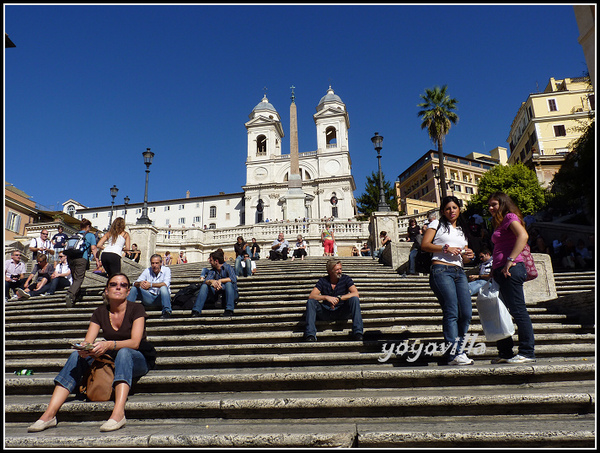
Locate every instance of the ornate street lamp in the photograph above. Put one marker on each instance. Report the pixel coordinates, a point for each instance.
(383, 206)
(126, 201)
(144, 220)
(113, 194)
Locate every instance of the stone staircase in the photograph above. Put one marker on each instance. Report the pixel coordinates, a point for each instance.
(250, 381)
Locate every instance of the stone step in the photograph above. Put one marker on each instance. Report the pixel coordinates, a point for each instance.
(538, 398)
(539, 430)
(371, 376)
(239, 381)
(316, 356)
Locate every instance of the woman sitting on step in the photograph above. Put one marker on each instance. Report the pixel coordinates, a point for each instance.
(123, 324)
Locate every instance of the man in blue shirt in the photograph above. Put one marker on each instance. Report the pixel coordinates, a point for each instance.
(59, 240)
(334, 297)
(153, 287)
(220, 279)
(78, 266)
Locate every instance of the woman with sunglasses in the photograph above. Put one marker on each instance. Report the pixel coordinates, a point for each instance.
(447, 239)
(123, 325)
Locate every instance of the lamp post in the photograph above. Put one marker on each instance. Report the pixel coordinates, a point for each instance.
(113, 194)
(126, 201)
(436, 175)
(383, 206)
(144, 220)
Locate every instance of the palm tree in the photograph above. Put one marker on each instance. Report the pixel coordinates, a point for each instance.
(438, 116)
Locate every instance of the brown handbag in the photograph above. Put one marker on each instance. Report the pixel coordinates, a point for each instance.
(97, 383)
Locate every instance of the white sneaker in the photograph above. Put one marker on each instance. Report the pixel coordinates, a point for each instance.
(520, 359)
(23, 294)
(461, 359)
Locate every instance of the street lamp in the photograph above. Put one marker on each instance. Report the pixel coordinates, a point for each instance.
(126, 200)
(436, 175)
(383, 206)
(113, 194)
(144, 220)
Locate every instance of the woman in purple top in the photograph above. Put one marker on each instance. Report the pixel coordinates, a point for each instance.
(509, 238)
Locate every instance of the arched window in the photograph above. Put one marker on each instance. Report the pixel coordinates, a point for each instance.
(331, 137)
(213, 212)
(261, 145)
(71, 210)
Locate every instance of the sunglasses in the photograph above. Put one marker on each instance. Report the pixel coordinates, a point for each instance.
(121, 285)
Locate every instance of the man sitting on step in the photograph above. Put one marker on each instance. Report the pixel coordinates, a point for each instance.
(333, 298)
(220, 279)
(153, 287)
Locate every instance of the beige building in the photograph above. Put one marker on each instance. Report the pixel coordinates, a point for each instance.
(19, 210)
(418, 187)
(548, 123)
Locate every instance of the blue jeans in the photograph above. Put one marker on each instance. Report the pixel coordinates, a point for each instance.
(476, 285)
(243, 271)
(451, 287)
(347, 309)
(58, 283)
(412, 261)
(206, 292)
(129, 365)
(162, 299)
(511, 292)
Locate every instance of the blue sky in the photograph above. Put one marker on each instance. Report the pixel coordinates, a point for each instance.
(89, 87)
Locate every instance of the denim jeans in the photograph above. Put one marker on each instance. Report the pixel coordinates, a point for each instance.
(207, 292)
(162, 299)
(412, 261)
(58, 283)
(240, 270)
(511, 292)
(348, 309)
(129, 365)
(476, 285)
(451, 287)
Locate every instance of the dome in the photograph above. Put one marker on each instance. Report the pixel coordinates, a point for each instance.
(329, 97)
(264, 105)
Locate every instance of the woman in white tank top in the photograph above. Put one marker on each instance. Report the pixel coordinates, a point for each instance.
(112, 245)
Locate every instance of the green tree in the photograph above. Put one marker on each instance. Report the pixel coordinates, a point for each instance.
(572, 186)
(517, 181)
(437, 113)
(368, 202)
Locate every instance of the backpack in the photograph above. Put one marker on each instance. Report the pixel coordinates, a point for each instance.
(76, 246)
(186, 297)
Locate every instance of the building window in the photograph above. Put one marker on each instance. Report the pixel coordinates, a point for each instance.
(213, 212)
(181, 206)
(197, 219)
(552, 105)
(559, 131)
(227, 216)
(95, 215)
(151, 209)
(212, 226)
(167, 208)
(181, 220)
(13, 222)
(261, 145)
(71, 210)
(331, 137)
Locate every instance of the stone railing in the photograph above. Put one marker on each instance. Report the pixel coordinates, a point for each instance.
(197, 243)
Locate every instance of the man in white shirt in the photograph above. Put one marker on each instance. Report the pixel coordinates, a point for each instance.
(153, 287)
(14, 273)
(41, 245)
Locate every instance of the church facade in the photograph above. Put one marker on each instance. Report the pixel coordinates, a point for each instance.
(325, 175)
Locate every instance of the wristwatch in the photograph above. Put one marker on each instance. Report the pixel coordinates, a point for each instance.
(510, 259)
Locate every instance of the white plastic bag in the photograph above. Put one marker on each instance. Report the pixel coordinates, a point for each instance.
(493, 314)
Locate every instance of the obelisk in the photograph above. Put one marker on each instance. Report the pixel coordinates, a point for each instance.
(295, 197)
